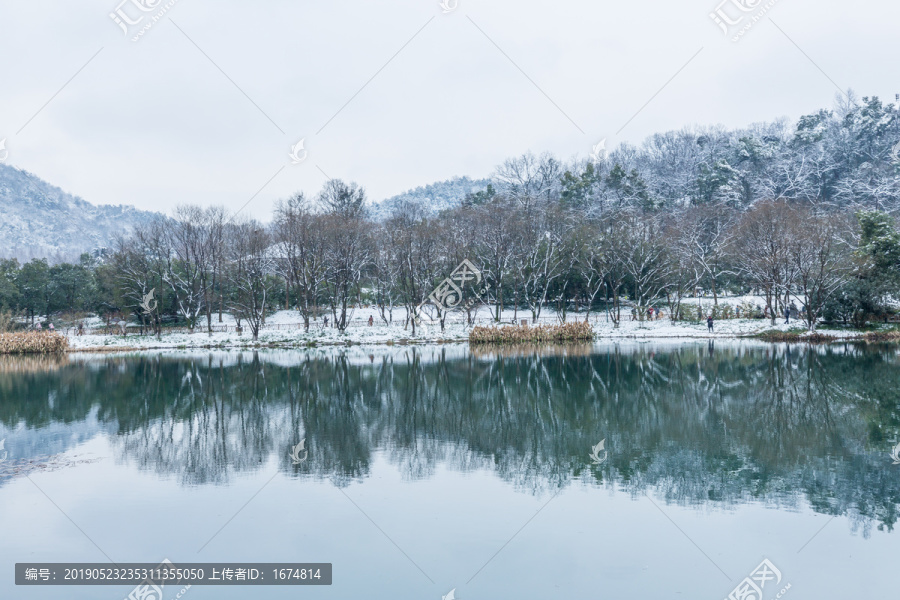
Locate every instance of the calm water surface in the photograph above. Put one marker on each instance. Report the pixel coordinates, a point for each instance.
(436, 468)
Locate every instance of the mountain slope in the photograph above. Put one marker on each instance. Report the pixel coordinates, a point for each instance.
(39, 220)
(435, 197)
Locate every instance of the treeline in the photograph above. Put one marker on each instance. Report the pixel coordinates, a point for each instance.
(800, 215)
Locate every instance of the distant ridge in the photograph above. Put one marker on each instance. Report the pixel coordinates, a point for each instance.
(435, 197)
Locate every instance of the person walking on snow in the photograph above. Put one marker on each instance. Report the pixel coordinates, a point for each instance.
(787, 314)
(709, 323)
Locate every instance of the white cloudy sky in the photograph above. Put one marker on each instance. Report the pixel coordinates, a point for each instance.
(206, 106)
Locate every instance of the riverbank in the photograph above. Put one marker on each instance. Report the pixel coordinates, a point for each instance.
(284, 331)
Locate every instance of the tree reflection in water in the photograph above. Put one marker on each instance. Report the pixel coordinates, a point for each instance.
(695, 424)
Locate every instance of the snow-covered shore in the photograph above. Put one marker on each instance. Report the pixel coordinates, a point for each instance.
(284, 329)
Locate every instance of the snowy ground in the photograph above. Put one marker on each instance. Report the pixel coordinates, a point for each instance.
(285, 330)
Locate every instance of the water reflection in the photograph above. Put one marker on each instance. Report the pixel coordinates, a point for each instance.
(697, 424)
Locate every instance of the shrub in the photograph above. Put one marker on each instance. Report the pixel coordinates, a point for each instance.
(33, 342)
(8, 321)
(570, 332)
(794, 337)
(750, 311)
(687, 312)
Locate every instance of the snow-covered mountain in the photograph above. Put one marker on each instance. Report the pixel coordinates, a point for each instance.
(39, 220)
(435, 197)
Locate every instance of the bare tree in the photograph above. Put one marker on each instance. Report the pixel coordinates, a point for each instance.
(529, 179)
(415, 249)
(385, 273)
(542, 257)
(759, 248)
(250, 267)
(643, 258)
(458, 236)
(821, 253)
(185, 263)
(300, 253)
(213, 257)
(496, 225)
(684, 256)
(613, 248)
(345, 232)
(139, 267)
(591, 261)
(708, 229)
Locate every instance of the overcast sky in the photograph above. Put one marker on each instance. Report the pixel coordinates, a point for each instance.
(206, 105)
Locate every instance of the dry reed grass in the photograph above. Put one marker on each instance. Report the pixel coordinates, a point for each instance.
(33, 342)
(882, 336)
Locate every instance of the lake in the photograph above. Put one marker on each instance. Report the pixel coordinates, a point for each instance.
(428, 469)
